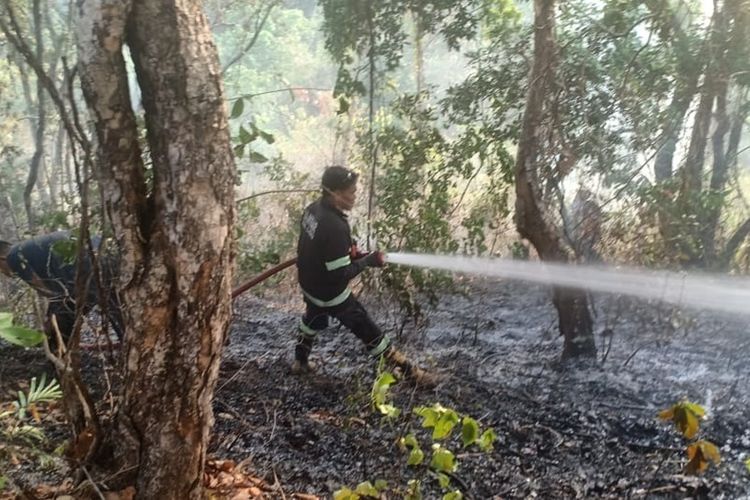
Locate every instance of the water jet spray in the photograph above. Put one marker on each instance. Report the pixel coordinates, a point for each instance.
(718, 292)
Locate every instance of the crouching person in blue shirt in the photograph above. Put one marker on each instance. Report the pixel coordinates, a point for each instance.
(39, 263)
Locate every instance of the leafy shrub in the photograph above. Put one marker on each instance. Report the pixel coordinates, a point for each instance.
(686, 418)
(438, 461)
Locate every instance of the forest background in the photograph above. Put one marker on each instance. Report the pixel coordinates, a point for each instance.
(650, 122)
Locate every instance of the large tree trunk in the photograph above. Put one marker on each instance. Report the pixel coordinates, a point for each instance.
(575, 321)
(175, 233)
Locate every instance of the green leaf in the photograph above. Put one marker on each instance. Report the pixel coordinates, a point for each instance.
(386, 379)
(445, 424)
(410, 440)
(238, 108)
(66, 249)
(6, 319)
(389, 410)
(44, 393)
(244, 136)
(60, 450)
(380, 387)
(413, 490)
(469, 431)
(256, 157)
(686, 417)
(28, 433)
(381, 484)
(486, 439)
(443, 480)
(416, 456)
(443, 459)
(453, 495)
(429, 415)
(22, 336)
(343, 106)
(367, 489)
(696, 409)
(345, 494)
(3, 481)
(700, 454)
(269, 138)
(22, 405)
(239, 150)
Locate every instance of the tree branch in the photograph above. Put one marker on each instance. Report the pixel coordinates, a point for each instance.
(734, 243)
(12, 32)
(275, 91)
(251, 43)
(275, 191)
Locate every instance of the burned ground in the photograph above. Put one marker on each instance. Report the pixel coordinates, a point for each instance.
(563, 431)
(586, 431)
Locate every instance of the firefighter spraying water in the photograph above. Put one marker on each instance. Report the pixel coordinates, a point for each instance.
(327, 260)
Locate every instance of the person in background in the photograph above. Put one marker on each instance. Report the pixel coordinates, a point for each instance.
(586, 230)
(40, 262)
(327, 260)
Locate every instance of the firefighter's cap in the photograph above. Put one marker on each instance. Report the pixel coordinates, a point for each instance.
(336, 178)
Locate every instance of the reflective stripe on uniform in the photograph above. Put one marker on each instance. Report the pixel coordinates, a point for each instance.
(339, 263)
(339, 299)
(306, 330)
(381, 347)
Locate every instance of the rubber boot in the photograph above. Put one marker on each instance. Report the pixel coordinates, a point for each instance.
(302, 364)
(302, 367)
(410, 370)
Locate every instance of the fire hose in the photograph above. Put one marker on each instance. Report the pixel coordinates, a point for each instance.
(267, 274)
(262, 277)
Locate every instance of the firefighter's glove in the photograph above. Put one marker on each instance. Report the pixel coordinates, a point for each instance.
(375, 259)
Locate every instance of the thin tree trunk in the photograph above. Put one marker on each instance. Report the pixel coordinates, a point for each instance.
(686, 84)
(714, 73)
(419, 53)
(176, 273)
(723, 163)
(728, 27)
(692, 171)
(57, 186)
(740, 234)
(371, 124)
(689, 237)
(735, 134)
(718, 174)
(41, 121)
(664, 161)
(575, 321)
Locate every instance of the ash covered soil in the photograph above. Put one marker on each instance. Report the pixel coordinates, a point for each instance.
(574, 431)
(563, 431)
